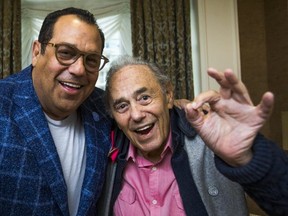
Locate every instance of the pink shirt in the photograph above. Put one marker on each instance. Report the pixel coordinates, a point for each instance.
(149, 189)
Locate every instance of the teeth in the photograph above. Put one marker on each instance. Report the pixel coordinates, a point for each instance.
(144, 128)
(72, 85)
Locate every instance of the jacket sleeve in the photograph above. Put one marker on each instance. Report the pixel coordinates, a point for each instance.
(265, 178)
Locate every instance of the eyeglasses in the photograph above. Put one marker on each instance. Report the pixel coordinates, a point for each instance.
(67, 54)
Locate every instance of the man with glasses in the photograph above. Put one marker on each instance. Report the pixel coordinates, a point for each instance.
(54, 130)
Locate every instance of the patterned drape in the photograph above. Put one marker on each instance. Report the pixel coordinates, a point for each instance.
(161, 34)
(10, 37)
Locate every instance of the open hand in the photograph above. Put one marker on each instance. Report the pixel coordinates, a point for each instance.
(227, 120)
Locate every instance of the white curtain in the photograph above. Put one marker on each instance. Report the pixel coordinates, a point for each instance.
(113, 17)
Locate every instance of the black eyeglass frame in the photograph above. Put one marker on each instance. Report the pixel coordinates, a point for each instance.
(79, 53)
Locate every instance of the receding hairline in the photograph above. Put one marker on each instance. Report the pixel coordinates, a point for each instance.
(58, 26)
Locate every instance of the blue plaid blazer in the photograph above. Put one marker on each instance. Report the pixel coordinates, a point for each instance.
(31, 178)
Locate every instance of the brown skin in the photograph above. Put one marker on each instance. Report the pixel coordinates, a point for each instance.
(141, 109)
(51, 79)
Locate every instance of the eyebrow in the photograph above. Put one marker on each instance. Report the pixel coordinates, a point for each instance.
(137, 92)
(140, 91)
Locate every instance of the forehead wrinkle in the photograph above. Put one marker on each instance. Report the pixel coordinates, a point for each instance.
(137, 92)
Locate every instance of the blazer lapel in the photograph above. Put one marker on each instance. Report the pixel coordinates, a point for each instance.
(97, 130)
(35, 128)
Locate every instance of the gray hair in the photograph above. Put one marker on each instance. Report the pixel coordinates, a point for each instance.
(124, 61)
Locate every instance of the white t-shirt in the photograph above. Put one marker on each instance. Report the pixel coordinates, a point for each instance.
(69, 138)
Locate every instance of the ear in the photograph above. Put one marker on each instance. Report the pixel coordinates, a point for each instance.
(36, 52)
(169, 95)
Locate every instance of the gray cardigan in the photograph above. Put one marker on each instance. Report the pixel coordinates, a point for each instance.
(220, 195)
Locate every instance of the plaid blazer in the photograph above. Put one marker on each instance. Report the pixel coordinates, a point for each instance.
(31, 178)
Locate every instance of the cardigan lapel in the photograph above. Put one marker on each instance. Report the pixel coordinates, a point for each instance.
(34, 127)
(184, 178)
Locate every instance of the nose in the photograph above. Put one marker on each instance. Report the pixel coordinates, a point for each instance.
(137, 113)
(78, 67)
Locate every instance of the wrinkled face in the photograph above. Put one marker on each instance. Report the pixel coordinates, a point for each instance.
(141, 109)
(61, 89)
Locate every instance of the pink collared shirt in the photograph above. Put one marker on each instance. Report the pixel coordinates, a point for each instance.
(149, 189)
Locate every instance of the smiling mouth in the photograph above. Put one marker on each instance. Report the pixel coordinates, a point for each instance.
(70, 85)
(145, 130)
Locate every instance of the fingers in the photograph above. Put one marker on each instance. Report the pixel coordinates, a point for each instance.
(194, 116)
(209, 97)
(181, 103)
(225, 86)
(198, 110)
(240, 92)
(191, 112)
(230, 85)
(266, 105)
(218, 76)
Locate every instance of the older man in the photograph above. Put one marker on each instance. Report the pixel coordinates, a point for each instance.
(165, 167)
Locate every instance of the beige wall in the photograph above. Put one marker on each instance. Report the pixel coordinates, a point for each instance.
(215, 41)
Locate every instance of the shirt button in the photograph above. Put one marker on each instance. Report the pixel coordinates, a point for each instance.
(154, 168)
(154, 202)
(213, 191)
